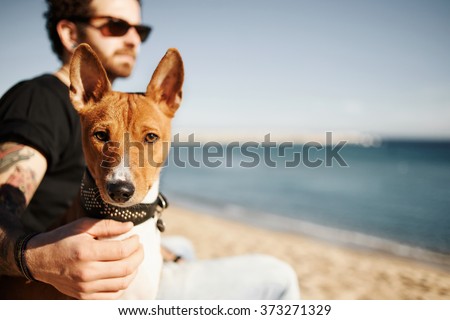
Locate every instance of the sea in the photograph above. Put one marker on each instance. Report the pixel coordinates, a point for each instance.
(393, 196)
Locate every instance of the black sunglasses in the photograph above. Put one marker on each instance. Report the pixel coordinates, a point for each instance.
(115, 27)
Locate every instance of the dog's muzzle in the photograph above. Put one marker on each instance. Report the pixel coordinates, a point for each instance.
(95, 207)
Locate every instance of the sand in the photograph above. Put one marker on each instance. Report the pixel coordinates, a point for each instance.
(325, 270)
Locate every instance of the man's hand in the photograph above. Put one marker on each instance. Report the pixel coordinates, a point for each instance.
(78, 264)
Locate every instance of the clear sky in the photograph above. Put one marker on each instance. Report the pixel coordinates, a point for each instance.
(281, 66)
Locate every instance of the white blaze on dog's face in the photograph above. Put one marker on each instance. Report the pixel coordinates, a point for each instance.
(126, 137)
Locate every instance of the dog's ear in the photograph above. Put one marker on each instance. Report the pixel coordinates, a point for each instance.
(167, 81)
(88, 79)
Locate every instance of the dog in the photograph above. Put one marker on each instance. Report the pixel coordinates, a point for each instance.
(125, 140)
(129, 177)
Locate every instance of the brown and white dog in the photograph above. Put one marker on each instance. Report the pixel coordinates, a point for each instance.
(139, 127)
(126, 139)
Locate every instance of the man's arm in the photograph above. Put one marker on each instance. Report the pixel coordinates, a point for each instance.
(21, 171)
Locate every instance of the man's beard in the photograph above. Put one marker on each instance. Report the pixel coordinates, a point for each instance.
(122, 70)
(118, 69)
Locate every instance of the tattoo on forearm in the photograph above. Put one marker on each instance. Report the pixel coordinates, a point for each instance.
(10, 154)
(21, 177)
(24, 179)
(14, 193)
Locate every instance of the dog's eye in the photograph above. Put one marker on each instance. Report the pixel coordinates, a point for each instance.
(101, 135)
(151, 138)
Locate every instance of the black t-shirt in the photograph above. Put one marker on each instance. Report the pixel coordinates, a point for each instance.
(38, 113)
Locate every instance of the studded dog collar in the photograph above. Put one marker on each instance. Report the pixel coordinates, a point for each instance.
(95, 207)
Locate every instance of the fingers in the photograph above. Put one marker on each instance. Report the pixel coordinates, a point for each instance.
(103, 279)
(124, 267)
(107, 228)
(114, 250)
(100, 270)
(106, 285)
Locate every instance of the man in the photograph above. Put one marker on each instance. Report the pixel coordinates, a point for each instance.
(41, 164)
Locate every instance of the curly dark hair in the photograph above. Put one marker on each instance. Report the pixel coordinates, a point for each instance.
(58, 10)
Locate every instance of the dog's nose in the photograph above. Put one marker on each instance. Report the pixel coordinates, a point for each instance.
(120, 192)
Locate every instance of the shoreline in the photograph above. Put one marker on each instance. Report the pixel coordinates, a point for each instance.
(325, 270)
(344, 238)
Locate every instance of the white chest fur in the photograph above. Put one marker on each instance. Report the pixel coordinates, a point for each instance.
(146, 283)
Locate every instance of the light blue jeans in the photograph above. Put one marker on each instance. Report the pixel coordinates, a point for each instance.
(245, 277)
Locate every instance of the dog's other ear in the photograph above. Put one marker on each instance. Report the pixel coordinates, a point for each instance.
(167, 81)
(88, 79)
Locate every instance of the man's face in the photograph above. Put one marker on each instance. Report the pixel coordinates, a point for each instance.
(117, 54)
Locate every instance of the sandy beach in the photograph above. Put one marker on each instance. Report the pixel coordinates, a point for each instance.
(325, 271)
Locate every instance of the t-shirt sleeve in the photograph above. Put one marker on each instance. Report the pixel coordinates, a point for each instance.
(30, 114)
